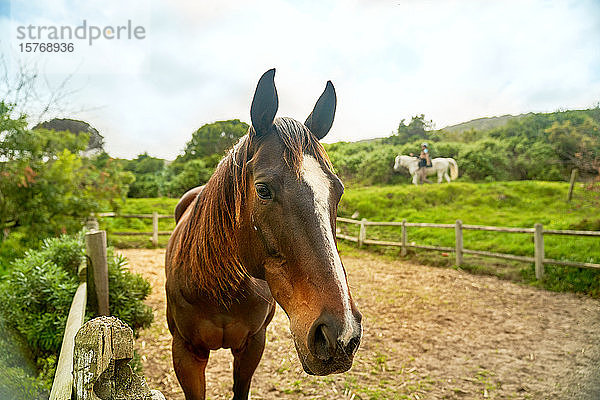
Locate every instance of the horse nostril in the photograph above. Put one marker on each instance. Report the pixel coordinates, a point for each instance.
(320, 343)
(352, 345)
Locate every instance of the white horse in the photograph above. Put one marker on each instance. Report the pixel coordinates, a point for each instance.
(438, 165)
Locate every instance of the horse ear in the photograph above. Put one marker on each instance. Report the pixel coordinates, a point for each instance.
(321, 118)
(265, 103)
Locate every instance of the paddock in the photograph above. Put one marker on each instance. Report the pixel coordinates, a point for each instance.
(429, 333)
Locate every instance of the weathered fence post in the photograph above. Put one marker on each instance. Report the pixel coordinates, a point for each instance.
(403, 250)
(574, 172)
(155, 229)
(458, 232)
(103, 350)
(92, 223)
(362, 233)
(539, 251)
(95, 245)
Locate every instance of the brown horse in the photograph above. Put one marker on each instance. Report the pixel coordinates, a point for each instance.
(262, 230)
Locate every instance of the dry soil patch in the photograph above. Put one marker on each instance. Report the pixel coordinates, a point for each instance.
(429, 333)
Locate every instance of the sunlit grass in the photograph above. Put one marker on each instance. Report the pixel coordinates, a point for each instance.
(508, 204)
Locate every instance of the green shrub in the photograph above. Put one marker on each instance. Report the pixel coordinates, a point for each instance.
(12, 247)
(194, 173)
(18, 379)
(126, 294)
(37, 293)
(485, 160)
(15, 384)
(378, 166)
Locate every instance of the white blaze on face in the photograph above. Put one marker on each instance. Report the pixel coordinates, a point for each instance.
(313, 175)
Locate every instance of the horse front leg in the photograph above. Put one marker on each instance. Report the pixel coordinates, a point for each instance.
(440, 177)
(245, 363)
(189, 367)
(415, 177)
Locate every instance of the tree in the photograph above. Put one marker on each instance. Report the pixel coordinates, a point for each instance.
(417, 129)
(214, 139)
(150, 176)
(96, 140)
(21, 85)
(46, 187)
(193, 173)
(577, 146)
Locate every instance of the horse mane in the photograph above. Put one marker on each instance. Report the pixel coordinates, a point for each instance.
(208, 249)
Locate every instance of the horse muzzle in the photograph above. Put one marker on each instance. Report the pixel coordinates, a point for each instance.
(330, 347)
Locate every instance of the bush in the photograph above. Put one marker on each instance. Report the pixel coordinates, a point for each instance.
(12, 247)
(37, 294)
(378, 167)
(194, 173)
(126, 295)
(485, 160)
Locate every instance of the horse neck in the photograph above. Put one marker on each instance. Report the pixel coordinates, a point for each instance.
(211, 248)
(411, 163)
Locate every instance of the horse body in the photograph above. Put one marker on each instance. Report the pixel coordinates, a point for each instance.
(439, 166)
(218, 325)
(200, 323)
(262, 231)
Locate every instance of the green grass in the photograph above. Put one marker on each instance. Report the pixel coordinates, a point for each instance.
(162, 205)
(511, 204)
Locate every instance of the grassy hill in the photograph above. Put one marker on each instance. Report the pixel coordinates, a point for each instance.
(542, 146)
(477, 124)
(483, 124)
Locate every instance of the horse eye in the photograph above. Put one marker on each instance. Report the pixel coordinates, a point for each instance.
(263, 191)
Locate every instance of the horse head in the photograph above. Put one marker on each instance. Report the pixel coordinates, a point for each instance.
(291, 207)
(404, 161)
(397, 163)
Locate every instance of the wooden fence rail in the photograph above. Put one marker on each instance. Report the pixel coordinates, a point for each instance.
(537, 231)
(154, 216)
(62, 386)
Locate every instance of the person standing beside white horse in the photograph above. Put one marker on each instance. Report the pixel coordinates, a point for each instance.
(439, 166)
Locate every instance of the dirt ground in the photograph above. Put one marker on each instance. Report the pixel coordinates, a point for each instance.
(429, 333)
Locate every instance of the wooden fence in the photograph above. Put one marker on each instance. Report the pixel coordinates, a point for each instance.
(154, 216)
(93, 273)
(93, 277)
(537, 231)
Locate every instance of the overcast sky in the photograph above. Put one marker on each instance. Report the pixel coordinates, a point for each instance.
(388, 60)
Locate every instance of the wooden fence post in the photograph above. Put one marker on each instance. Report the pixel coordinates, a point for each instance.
(95, 246)
(101, 370)
(458, 232)
(362, 233)
(574, 172)
(539, 251)
(155, 229)
(403, 251)
(92, 223)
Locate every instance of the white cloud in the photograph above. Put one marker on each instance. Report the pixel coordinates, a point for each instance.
(452, 60)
